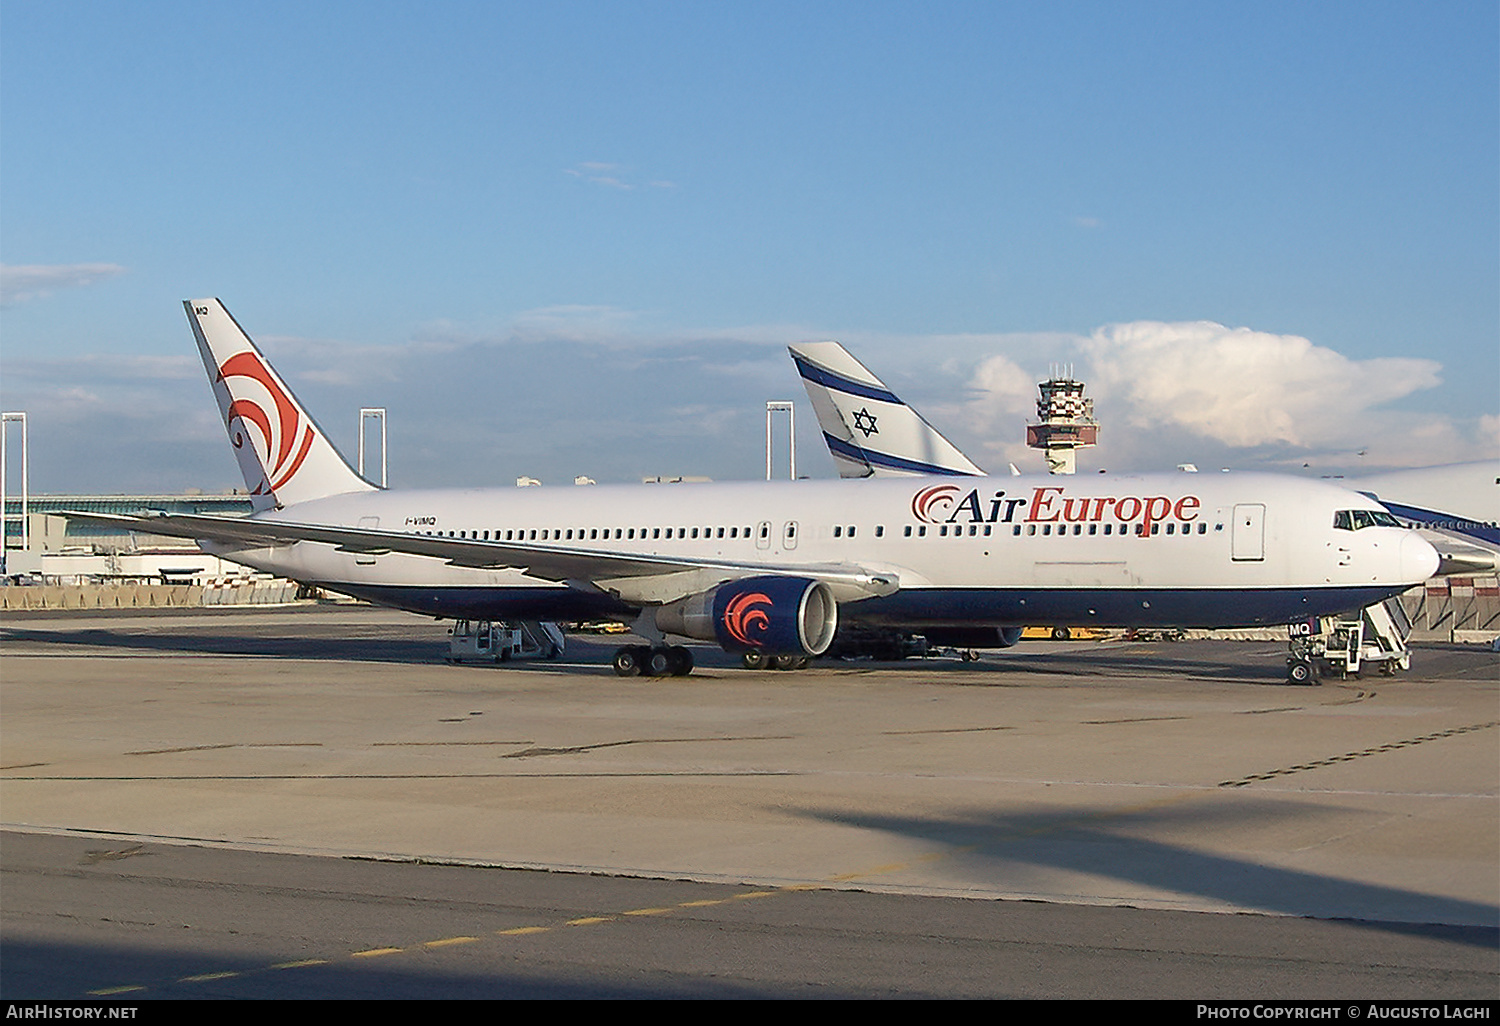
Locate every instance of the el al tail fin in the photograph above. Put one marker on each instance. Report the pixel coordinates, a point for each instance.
(869, 430)
(285, 457)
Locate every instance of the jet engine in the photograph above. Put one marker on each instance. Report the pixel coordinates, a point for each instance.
(772, 615)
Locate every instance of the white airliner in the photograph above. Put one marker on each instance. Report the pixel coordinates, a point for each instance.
(775, 569)
(1457, 506)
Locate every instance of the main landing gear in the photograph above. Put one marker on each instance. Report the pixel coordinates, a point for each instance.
(661, 661)
(758, 660)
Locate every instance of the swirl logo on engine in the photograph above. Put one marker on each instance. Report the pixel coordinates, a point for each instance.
(746, 613)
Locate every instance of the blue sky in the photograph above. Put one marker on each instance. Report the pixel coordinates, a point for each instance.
(559, 238)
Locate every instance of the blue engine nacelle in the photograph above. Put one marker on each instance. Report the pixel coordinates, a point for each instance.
(773, 615)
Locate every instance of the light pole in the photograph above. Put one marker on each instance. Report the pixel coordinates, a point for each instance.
(5, 420)
(369, 413)
(777, 406)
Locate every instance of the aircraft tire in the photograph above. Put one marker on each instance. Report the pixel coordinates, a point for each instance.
(682, 660)
(755, 660)
(627, 662)
(1061, 634)
(1299, 671)
(658, 662)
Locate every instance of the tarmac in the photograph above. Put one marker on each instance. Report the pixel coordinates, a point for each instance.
(1170, 776)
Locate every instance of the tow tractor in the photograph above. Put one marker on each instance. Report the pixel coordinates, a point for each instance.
(487, 641)
(1343, 646)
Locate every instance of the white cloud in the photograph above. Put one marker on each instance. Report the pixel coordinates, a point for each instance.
(1172, 392)
(588, 389)
(612, 176)
(20, 282)
(598, 173)
(1246, 388)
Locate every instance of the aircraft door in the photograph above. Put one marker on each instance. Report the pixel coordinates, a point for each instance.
(763, 535)
(1247, 536)
(789, 535)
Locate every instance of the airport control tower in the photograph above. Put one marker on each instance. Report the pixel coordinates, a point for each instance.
(1067, 422)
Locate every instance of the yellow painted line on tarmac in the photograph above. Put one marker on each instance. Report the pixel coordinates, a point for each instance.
(373, 952)
(520, 931)
(300, 963)
(704, 903)
(448, 941)
(753, 894)
(109, 991)
(203, 977)
(589, 921)
(647, 911)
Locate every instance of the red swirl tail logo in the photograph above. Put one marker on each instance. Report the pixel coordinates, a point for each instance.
(282, 452)
(748, 613)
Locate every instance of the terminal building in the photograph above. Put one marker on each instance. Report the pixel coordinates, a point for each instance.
(42, 546)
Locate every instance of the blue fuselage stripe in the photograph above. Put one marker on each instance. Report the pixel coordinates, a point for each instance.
(828, 379)
(916, 608)
(849, 450)
(1478, 530)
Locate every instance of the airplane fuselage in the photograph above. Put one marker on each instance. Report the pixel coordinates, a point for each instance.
(1142, 550)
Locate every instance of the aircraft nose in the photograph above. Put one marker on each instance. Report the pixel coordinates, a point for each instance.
(1419, 560)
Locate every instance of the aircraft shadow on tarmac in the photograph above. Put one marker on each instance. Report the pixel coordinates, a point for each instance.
(39, 970)
(999, 846)
(1171, 660)
(297, 646)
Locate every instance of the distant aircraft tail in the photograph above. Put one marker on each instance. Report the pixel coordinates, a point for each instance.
(869, 430)
(285, 457)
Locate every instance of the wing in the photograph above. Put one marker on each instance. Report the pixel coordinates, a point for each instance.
(644, 577)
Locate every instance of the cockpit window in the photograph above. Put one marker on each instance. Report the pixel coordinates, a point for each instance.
(1356, 519)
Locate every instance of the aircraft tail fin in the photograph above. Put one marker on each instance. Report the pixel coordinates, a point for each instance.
(285, 457)
(869, 430)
